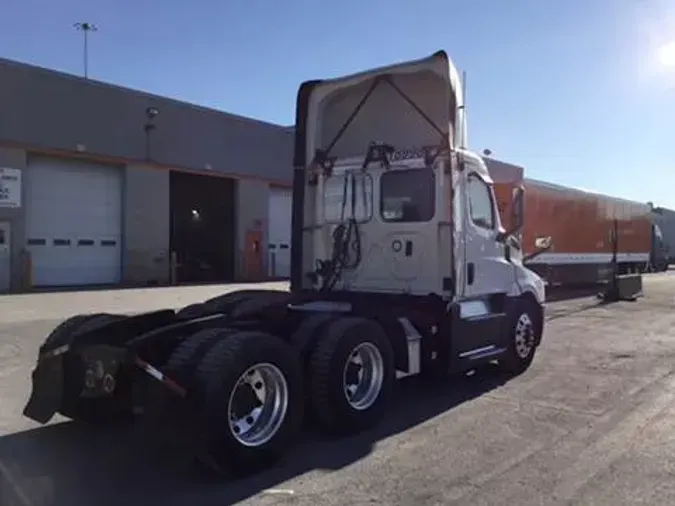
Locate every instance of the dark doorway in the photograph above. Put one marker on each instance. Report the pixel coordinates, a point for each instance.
(203, 227)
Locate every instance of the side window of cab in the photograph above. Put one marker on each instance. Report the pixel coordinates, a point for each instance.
(481, 209)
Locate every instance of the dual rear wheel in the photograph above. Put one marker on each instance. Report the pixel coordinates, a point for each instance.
(247, 390)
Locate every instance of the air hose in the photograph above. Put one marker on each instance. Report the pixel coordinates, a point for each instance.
(346, 252)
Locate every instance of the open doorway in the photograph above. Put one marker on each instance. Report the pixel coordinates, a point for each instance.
(202, 227)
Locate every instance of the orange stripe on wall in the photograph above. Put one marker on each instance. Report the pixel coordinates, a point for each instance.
(112, 160)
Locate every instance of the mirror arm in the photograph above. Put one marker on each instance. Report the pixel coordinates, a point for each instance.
(535, 254)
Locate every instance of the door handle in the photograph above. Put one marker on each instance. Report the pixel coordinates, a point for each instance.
(470, 272)
(408, 248)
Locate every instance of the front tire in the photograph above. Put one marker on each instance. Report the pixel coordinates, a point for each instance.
(351, 374)
(524, 337)
(252, 403)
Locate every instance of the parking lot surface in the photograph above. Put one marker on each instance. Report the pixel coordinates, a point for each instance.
(592, 422)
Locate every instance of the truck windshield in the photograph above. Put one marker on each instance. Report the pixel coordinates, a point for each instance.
(407, 196)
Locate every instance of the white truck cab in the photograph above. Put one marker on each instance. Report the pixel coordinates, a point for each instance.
(391, 213)
(380, 168)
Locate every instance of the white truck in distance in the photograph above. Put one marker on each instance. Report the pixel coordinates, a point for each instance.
(400, 266)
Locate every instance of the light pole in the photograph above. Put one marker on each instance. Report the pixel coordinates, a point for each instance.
(85, 28)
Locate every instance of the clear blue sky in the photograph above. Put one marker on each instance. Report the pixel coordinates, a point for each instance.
(568, 88)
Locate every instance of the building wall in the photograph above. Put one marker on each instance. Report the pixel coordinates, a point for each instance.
(59, 114)
(15, 159)
(146, 223)
(252, 208)
(42, 108)
(146, 257)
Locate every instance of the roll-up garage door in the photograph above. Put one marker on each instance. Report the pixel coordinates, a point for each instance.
(73, 222)
(279, 232)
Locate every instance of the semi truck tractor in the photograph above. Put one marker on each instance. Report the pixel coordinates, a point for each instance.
(664, 224)
(580, 225)
(400, 266)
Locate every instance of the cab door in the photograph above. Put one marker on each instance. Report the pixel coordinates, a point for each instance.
(487, 269)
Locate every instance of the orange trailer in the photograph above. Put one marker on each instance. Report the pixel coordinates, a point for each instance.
(580, 224)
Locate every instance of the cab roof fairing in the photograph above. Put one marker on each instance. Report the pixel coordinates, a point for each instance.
(312, 93)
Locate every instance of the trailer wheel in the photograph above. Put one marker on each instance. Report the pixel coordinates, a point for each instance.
(525, 336)
(252, 405)
(352, 375)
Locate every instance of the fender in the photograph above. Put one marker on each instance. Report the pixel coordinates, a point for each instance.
(394, 331)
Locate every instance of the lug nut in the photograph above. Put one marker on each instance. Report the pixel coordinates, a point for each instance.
(99, 369)
(89, 379)
(108, 383)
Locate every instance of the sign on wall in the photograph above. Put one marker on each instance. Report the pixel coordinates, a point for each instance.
(10, 187)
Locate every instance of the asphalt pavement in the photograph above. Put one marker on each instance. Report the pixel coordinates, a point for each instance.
(592, 422)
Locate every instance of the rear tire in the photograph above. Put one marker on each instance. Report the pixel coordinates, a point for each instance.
(181, 367)
(225, 304)
(62, 335)
(259, 305)
(352, 374)
(525, 335)
(240, 433)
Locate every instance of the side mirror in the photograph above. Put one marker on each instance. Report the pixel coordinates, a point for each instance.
(518, 208)
(543, 242)
(502, 235)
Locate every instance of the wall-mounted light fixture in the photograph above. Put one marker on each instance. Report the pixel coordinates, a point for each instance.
(151, 113)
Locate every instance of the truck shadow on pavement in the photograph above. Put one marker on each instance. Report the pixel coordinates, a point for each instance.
(67, 464)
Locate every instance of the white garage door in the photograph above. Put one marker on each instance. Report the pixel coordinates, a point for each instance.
(73, 222)
(279, 232)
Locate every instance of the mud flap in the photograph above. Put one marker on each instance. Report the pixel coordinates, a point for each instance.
(47, 393)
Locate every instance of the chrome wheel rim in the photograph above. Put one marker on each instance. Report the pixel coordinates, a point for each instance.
(524, 336)
(258, 405)
(363, 376)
